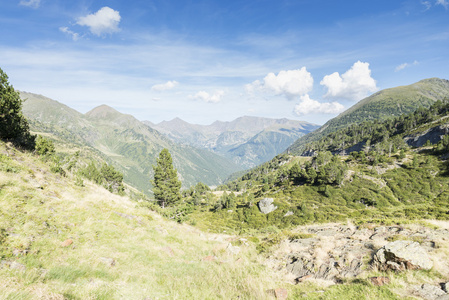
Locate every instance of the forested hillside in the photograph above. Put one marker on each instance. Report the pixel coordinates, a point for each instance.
(381, 106)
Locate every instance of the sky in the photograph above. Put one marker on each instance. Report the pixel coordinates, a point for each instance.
(208, 60)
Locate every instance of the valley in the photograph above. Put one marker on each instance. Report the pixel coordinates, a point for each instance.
(309, 226)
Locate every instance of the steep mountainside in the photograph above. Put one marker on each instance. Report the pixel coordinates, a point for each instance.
(125, 140)
(248, 141)
(380, 106)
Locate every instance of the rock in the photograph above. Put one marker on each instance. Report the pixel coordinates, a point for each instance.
(428, 291)
(380, 281)
(233, 249)
(108, 261)
(445, 287)
(401, 255)
(266, 205)
(209, 258)
(298, 268)
(304, 278)
(13, 265)
(289, 213)
(444, 297)
(281, 293)
(67, 243)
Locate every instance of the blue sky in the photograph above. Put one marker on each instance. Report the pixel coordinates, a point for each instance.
(210, 60)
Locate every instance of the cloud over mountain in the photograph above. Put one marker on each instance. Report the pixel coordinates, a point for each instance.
(206, 97)
(308, 106)
(354, 84)
(165, 86)
(290, 83)
(105, 20)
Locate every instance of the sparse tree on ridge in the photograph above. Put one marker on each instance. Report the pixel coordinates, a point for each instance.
(166, 186)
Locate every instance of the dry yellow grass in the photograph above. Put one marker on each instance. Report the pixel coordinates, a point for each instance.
(153, 258)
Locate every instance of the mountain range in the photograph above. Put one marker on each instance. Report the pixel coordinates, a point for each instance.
(124, 141)
(247, 141)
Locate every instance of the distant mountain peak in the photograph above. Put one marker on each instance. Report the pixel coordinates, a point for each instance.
(102, 111)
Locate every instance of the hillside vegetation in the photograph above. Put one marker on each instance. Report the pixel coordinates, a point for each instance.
(386, 180)
(63, 241)
(381, 106)
(122, 140)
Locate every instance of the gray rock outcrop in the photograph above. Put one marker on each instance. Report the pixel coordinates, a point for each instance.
(266, 205)
(402, 255)
(429, 292)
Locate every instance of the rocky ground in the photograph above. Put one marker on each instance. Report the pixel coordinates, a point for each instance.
(335, 253)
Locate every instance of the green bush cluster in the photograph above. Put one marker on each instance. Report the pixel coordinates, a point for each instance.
(106, 175)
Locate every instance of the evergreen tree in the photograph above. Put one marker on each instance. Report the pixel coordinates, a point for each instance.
(13, 125)
(166, 186)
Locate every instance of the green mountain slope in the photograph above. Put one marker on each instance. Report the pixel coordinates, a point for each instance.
(388, 181)
(130, 144)
(248, 141)
(380, 106)
(63, 241)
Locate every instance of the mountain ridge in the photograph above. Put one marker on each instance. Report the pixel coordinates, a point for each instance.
(381, 105)
(236, 139)
(132, 145)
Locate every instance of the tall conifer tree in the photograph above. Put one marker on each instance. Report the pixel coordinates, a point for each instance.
(166, 186)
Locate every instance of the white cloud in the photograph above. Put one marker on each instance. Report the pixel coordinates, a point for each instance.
(444, 3)
(405, 65)
(354, 84)
(290, 83)
(210, 98)
(30, 3)
(106, 20)
(164, 86)
(308, 106)
(75, 36)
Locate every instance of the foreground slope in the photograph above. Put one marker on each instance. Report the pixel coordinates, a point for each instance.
(62, 241)
(248, 141)
(380, 106)
(130, 144)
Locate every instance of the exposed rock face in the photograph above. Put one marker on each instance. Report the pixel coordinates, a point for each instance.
(402, 255)
(266, 205)
(429, 292)
(334, 252)
(434, 135)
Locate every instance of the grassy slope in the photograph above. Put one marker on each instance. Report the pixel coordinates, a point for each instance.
(153, 257)
(381, 105)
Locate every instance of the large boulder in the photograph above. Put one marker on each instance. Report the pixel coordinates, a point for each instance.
(266, 205)
(402, 255)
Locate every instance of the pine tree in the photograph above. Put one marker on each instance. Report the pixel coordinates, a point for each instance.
(166, 186)
(13, 125)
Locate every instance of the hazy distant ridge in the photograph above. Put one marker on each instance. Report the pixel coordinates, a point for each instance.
(248, 141)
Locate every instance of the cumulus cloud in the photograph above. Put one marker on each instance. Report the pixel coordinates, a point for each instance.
(75, 36)
(206, 97)
(405, 65)
(164, 86)
(106, 20)
(308, 106)
(31, 3)
(444, 3)
(290, 83)
(354, 84)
